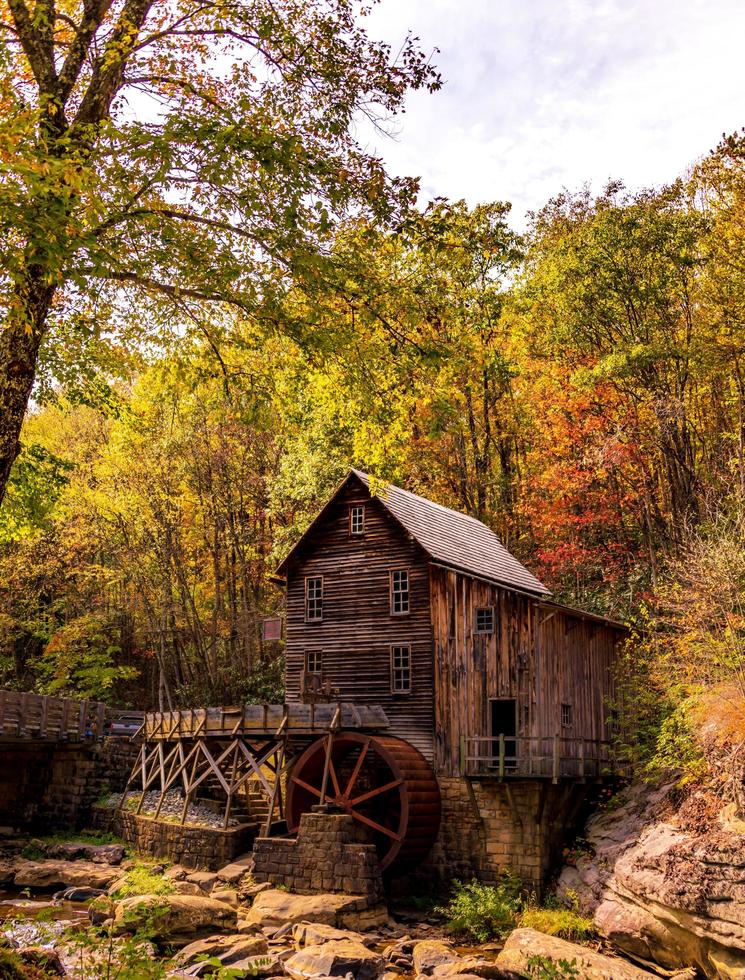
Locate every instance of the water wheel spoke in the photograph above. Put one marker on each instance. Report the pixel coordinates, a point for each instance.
(376, 826)
(356, 770)
(334, 777)
(311, 789)
(377, 791)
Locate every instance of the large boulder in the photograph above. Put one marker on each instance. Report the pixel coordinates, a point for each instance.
(54, 873)
(316, 933)
(429, 954)
(435, 958)
(276, 908)
(176, 919)
(336, 959)
(98, 853)
(524, 944)
(661, 890)
(227, 949)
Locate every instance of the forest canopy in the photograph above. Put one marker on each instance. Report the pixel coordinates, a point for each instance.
(215, 307)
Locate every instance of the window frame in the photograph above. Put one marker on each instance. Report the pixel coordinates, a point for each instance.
(352, 509)
(392, 593)
(566, 712)
(307, 658)
(319, 598)
(404, 671)
(483, 632)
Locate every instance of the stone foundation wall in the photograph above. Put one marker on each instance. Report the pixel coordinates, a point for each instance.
(203, 848)
(329, 855)
(53, 786)
(488, 827)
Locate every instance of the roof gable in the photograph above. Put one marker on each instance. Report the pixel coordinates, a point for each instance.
(448, 537)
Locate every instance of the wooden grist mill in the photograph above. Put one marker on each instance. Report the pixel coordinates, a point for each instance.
(467, 713)
(270, 764)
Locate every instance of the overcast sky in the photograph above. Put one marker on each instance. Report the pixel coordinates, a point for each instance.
(545, 94)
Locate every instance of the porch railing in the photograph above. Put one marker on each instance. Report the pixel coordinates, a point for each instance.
(536, 756)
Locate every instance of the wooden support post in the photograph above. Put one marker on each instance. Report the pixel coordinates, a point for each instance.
(462, 753)
(100, 721)
(556, 758)
(501, 756)
(44, 717)
(582, 759)
(326, 764)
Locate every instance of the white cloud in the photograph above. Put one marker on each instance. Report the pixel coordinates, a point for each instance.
(545, 94)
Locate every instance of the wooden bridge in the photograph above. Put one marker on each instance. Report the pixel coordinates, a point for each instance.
(40, 717)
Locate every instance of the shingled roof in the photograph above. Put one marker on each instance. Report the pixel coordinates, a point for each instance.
(449, 538)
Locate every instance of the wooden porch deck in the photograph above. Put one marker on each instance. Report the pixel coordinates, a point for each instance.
(556, 757)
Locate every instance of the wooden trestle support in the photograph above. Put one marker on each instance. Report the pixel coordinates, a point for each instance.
(236, 750)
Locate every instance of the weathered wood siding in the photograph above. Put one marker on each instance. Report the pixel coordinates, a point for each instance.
(358, 629)
(540, 656)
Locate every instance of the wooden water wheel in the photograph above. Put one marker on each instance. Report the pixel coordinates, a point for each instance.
(383, 782)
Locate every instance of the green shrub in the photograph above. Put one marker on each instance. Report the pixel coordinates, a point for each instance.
(141, 880)
(484, 911)
(562, 922)
(543, 968)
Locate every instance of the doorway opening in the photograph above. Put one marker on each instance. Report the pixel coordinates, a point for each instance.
(503, 720)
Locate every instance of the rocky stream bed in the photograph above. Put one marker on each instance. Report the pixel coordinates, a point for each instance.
(77, 910)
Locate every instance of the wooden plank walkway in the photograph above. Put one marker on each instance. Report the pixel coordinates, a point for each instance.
(39, 717)
(252, 720)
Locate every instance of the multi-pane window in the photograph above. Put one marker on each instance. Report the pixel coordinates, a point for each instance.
(399, 591)
(313, 662)
(401, 670)
(357, 519)
(566, 716)
(313, 599)
(485, 619)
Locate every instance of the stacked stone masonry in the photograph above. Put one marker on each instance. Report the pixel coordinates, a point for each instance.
(330, 854)
(53, 786)
(488, 827)
(205, 848)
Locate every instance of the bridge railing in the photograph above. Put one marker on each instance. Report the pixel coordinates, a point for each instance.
(39, 716)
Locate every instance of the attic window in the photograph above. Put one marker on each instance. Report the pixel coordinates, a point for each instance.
(357, 519)
(566, 716)
(313, 599)
(485, 619)
(399, 591)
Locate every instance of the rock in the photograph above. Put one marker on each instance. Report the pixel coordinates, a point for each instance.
(662, 890)
(79, 894)
(227, 895)
(233, 872)
(522, 944)
(432, 953)
(472, 966)
(177, 919)
(336, 959)
(7, 872)
(260, 966)
(53, 874)
(275, 908)
(98, 853)
(44, 959)
(205, 879)
(251, 891)
(187, 888)
(227, 949)
(315, 934)
(175, 873)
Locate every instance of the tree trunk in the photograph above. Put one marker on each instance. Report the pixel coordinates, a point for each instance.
(20, 341)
